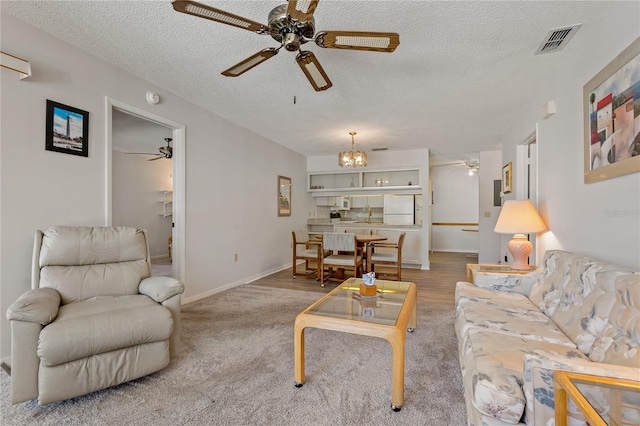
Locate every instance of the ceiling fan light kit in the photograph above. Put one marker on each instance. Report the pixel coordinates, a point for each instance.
(293, 25)
(352, 158)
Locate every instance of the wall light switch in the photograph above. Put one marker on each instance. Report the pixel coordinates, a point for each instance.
(487, 214)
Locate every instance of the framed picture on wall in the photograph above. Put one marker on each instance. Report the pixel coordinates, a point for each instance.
(611, 111)
(284, 196)
(67, 129)
(507, 179)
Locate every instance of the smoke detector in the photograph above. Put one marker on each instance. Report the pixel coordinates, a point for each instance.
(557, 39)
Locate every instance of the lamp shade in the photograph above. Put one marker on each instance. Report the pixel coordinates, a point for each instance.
(519, 217)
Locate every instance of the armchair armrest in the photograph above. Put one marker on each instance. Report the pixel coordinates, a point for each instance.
(539, 390)
(39, 305)
(160, 288)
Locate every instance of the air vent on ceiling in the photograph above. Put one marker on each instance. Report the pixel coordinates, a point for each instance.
(557, 39)
(379, 149)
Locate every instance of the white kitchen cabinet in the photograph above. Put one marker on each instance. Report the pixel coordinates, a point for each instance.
(400, 179)
(391, 178)
(326, 201)
(363, 202)
(333, 181)
(410, 248)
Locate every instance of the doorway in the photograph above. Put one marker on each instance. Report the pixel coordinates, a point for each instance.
(528, 159)
(170, 201)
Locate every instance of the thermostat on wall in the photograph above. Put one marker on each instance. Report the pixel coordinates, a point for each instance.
(153, 98)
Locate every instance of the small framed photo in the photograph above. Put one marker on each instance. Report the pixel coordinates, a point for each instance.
(507, 179)
(284, 196)
(67, 129)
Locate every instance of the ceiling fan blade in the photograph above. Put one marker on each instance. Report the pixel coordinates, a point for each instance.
(207, 12)
(358, 40)
(141, 153)
(154, 159)
(250, 62)
(302, 10)
(314, 72)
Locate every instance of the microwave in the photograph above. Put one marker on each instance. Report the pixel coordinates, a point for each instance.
(343, 203)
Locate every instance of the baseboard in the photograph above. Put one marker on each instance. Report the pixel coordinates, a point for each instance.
(159, 256)
(454, 250)
(231, 285)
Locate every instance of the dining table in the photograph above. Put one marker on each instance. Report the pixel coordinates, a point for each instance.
(364, 241)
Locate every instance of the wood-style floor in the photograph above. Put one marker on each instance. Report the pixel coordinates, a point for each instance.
(436, 286)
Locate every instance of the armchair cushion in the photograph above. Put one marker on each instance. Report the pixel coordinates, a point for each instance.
(102, 324)
(160, 288)
(39, 305)
(76, 283)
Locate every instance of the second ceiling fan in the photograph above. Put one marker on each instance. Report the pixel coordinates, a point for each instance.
(293, 25)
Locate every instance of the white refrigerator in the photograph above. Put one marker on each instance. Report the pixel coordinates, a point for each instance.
(399, 210)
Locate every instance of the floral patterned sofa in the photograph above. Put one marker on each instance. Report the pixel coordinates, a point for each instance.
(574, 313)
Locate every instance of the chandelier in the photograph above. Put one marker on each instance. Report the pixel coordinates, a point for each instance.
(352, 158)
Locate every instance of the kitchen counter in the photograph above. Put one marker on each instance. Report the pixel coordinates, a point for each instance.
(357, 224)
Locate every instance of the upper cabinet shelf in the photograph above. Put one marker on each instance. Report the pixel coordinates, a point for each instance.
(364, 180)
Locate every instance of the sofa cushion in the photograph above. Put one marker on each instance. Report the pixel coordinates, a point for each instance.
(545, 294)
(501, 312)
(493, 367)
(102, 324)
(619, 340)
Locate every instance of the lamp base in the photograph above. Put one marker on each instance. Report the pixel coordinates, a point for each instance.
(520, 248)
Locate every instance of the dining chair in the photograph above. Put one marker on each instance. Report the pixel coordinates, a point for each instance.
(309, 251)
(346, 255)
(390, 256)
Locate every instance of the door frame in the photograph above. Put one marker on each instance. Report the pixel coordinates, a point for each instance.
(179, 176)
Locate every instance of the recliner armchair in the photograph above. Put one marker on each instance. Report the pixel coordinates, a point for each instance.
(94, 317)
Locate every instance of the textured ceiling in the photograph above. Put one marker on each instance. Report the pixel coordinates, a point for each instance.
(462, 73)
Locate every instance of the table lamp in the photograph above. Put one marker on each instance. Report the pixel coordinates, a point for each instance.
(519, 217)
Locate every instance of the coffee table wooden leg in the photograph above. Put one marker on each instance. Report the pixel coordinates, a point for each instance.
(397, 387)
(560, 396)
(298, 343)
(413, 318)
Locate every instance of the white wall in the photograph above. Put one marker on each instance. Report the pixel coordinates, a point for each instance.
(489, 241)
(455, 200)
(579, 215)
(137, 197)
(231, 172)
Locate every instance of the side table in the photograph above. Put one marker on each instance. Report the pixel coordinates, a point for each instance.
(477, 270)
(602, 400)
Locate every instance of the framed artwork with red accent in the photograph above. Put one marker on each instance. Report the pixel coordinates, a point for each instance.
(612, 118)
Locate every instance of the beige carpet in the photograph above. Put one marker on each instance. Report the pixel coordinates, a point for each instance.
(236, 368)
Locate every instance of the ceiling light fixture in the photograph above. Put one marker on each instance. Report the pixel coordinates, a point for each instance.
(352, 158)
(472, 166)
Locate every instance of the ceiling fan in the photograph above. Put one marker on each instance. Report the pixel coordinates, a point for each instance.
(293, 25)
(163, 151)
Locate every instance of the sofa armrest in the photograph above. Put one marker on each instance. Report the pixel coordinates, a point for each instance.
(160, 288)
(516, 283)
(39, 305)
(538, 387)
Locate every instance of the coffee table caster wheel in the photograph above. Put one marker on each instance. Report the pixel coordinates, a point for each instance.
(395, 408)
(411, 330)
(299, 385)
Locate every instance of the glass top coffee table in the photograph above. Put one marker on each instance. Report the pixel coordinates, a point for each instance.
(602, 400)
(389, 315)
